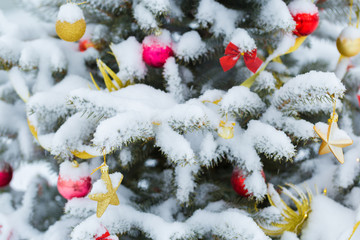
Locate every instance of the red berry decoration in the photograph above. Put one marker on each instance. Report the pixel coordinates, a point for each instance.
(157, 49)
(74, 180)
(237, 182)
(85, 44)
(306, 16)
(6, 173)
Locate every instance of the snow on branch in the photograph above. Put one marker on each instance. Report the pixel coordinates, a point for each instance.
(185, 181)
(190, 46)
(145, 18)
(171, 75)
(241, 39)
(230, 224)
(157, 6)
(298, 128)
(264, 82)
(269, 141)
(186, 117)
(174, 145)
(308, 93)
(221, 19)
(128, 54)
(74, 134)
(275, 15)
(241, 101)
(123, 129)
(49, 106)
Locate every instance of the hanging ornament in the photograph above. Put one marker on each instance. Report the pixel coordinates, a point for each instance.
(306, 16)
(74, 180)
(226, 129)
(106, 235)
(237, 181)
(157, 49)
(104, 189)
(334, 139)
(70, 25)
(358, 95)
(233, 54)
(85, 44)
(293, 221)
(348, 42)
(6, 173)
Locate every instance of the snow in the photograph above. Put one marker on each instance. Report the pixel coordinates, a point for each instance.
(333, 226)
(241, 101)
(144, 17)
(157, 6)
(242, 40)
(212, 13)
(275, 15)
(270, 141)
(19, 84)
(302, 6)
(151, 163)
(129, 57)
(350, 33)
(300, 93)
(68, 171)
(299, 128)
(190, 46)
(185, 181)
(70, 12)
(27, 171)
(100, 187)
(70, 116)
(171, 75)
(289, 236)
(174, 145)
(265, 81)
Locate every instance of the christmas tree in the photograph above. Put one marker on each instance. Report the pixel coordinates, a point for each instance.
(164, 119)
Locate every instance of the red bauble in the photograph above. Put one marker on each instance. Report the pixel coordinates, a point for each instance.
(105, 236)
(156, 51)
(6, 173)
(69, 188)
(306, 16)
(85, 44)
(74, 180)
(237, 182)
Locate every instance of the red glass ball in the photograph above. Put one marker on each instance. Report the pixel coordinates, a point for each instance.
(85, 44)
(237, 182)
(6, 173)
(155, 53)
(69, 188)
(305, 23)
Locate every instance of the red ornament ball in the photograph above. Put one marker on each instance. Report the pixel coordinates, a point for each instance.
(6, 173)
(306, 16)
(237, 182)
(85, 44)
(156, 50)
(74, 180)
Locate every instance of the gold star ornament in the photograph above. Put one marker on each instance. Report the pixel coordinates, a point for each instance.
(104, 190)
(334, 139)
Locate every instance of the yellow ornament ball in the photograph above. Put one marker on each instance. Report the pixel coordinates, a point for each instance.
(348, 43)
(226, 129)
(70, 25)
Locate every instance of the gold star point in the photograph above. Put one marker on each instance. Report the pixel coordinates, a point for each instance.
(105, 199)
(331, 143)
